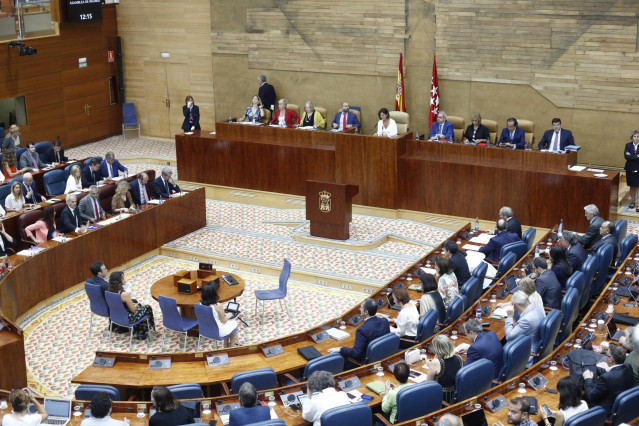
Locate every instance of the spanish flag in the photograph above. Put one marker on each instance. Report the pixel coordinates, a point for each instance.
(400, 105)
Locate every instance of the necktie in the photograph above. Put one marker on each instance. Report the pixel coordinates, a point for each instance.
(35, 164)
(166, 184)
(97, 209)
(555, 142)
(92, 176)
(57, 156)
(512, 135)
(143, 196)
(75, 216)
(344, 121)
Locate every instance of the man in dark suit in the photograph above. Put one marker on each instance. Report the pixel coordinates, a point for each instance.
(164, 186)
(140, 190)
(592, 234)
(55, 154)
(547, 284)
(91, 174)
(345, 119)
(486, 345)
(607, 232)
(557, 138)
(251, 411)
(492, 250)
(575, 252)
(512, 136)
(70, 217)
(110, 167)
(609, 384)
(29, 190)
(506, 213)
(457, 261)
(266, 92)
(90, 208)
(100, 272)
(372, 328)
(30, 159)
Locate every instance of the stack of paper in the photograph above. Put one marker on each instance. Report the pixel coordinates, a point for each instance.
(337, 334)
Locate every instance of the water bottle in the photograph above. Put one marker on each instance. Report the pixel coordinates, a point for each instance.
(230, 118)
(417, 135)
(537, 250)
(560, 229)
(477, 225)
(478, 311)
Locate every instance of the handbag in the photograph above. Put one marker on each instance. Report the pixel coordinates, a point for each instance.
(580, 360)
(412, 356)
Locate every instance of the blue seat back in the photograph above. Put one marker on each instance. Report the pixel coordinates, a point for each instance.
(621, 229)
(118, 312)
(529, 237)
(604, 260)
(262, 379)
(67, 169)
(97, 301)
(42, 147)
(578, 281)
(426, 325)
(54, 182)
(516, 354)
(5, 190)
(518, 247)
(286, 272)
(626, 247)
(350, 414)
(87, 392)
(569, 311)
(15, 179)
(455, 309)
(473, 379)
(472, 289)
(206, 321)
(186, 391)
(333, 363)
(382, 347)
(170, 315)
(19, 153)
(129, 117)
(418, 400)
(591, 417)
(626, 406)
(548, 334)
(480, 272)
(505, 263)
(272, 422)
(589, 268)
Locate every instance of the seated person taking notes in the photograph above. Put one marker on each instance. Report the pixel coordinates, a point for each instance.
(492, 250)
(140, 189)
(476, 132)
(164, 185)
(91, 174)
(345, 119)
(557, 138)
(512, 136)
(110, 167)
(442, 129)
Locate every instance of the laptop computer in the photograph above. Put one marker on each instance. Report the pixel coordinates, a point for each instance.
(59, 411)
(391, 303)
(511, 285)
(613, 332)
(474, 418)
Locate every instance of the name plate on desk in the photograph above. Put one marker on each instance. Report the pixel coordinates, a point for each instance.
(272, 350)
(497, 404)
(538, 381)
(349, 384)
(160, 364)
(223, 409)
(103, 362)
(215, 360)
(290, 398)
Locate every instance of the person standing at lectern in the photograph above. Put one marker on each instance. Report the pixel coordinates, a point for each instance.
(191, 115)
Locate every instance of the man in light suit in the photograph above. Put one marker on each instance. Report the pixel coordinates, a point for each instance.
(110, 167)
(486, 345)
(557, 138)
(372, 328)
(607, 232)
(442, 129)
(100, 272)
(592, 234)
(140, 189)
(528, 324)
(29, 190)
(90, 208)
(512, 136)
(514, 225)
(70, 217)
(164, 186)
(345, 119)
(609, 384)
(492, 250)
(575, 252)
(30, 159)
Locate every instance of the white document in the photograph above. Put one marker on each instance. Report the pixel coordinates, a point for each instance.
(337, 334)
(482, 238)
(212, 133)
(471, 247)
(188, 133)
(114, 219)
(61, 239)
(429, 270)
(156, 202)
(595, 170)
(462, 347)
(500, 312)
(577, 168)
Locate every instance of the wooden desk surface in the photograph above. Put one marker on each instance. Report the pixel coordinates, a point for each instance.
(165, 287)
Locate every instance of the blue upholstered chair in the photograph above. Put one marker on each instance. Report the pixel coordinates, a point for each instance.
(333, 363)
(415, 401)
(516, 355)
(480, 272)
(129, 118)
(54, 182)
(621, 229)
(276, 294)
(626, 247)
(186, 391)
(518, 247)
(67, 170)
(548, 330)
(87, 392)
(351, 415)
(382, 347)
(473, 379)
(569, 311)
(455, 309)
(42, 147)
(589, 268)
(97, 303)
(604, 260)
(505, 263)
(262, 379)
(529, 237)
(5, 190)
(626, 406)
(272, 422)
(172, 320)
(208, 326)
(472, 289)
(425, 326)
(19, 153)
(119, 314)
(15, 179)
(591, 417)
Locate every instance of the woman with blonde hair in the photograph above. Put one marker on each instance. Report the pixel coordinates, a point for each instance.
(15, 199)
(444, 367)
(74, 182)
(122, 200)
(476, 132)
(311, 117)
(528, 286)
(20, 399)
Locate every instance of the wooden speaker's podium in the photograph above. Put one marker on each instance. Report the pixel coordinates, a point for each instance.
(329, 207)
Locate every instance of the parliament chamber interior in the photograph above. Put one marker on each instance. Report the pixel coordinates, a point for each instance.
(329, 213)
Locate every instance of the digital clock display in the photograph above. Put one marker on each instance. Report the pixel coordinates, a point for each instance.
(84, 10)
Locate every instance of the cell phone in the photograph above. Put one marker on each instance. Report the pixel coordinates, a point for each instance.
(629, 305)
(295, 407)
(550, 390)
(548, 411)
(367, 397)
(351, 396)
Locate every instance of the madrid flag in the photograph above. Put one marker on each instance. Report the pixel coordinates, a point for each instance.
(434, 96)
(400, 105)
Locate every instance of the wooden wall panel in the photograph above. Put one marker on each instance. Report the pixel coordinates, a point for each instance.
(48, 80)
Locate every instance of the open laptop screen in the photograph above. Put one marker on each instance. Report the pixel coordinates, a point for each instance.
(57, 407)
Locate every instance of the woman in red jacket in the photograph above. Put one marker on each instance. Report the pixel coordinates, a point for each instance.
(285, 117)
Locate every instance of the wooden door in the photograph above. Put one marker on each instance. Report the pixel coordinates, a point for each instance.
(156, 117)
(178, 86)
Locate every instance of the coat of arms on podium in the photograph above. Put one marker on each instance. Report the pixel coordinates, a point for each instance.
(325, 201)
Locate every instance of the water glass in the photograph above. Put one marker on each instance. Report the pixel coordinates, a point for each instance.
(3, 404)
(454, 336)
(140, 412)
(522, 388)
(553, 365)
(271, 401)
(342, 325)
(380, 371)
(206, 408)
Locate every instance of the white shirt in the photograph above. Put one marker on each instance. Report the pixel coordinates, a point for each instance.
(406, 324)
(73, 185)
(389, 131)
(535, 299)
(329, 398)
(11, 203)
(28, 420)
(552, 141)
(106, 420)
(571, 411)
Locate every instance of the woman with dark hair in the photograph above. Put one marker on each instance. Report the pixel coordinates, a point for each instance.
(169, 412)
(44, 228)
(117, 281)
(191, 115)
(446, 280)
(457, 261)
(225, 324)
(431, 298)
(20, 399)
(570, 402)
(386, 126)
(401, 371)
(9, 161)
(631, 154)
(559, 265)
(407, 319)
